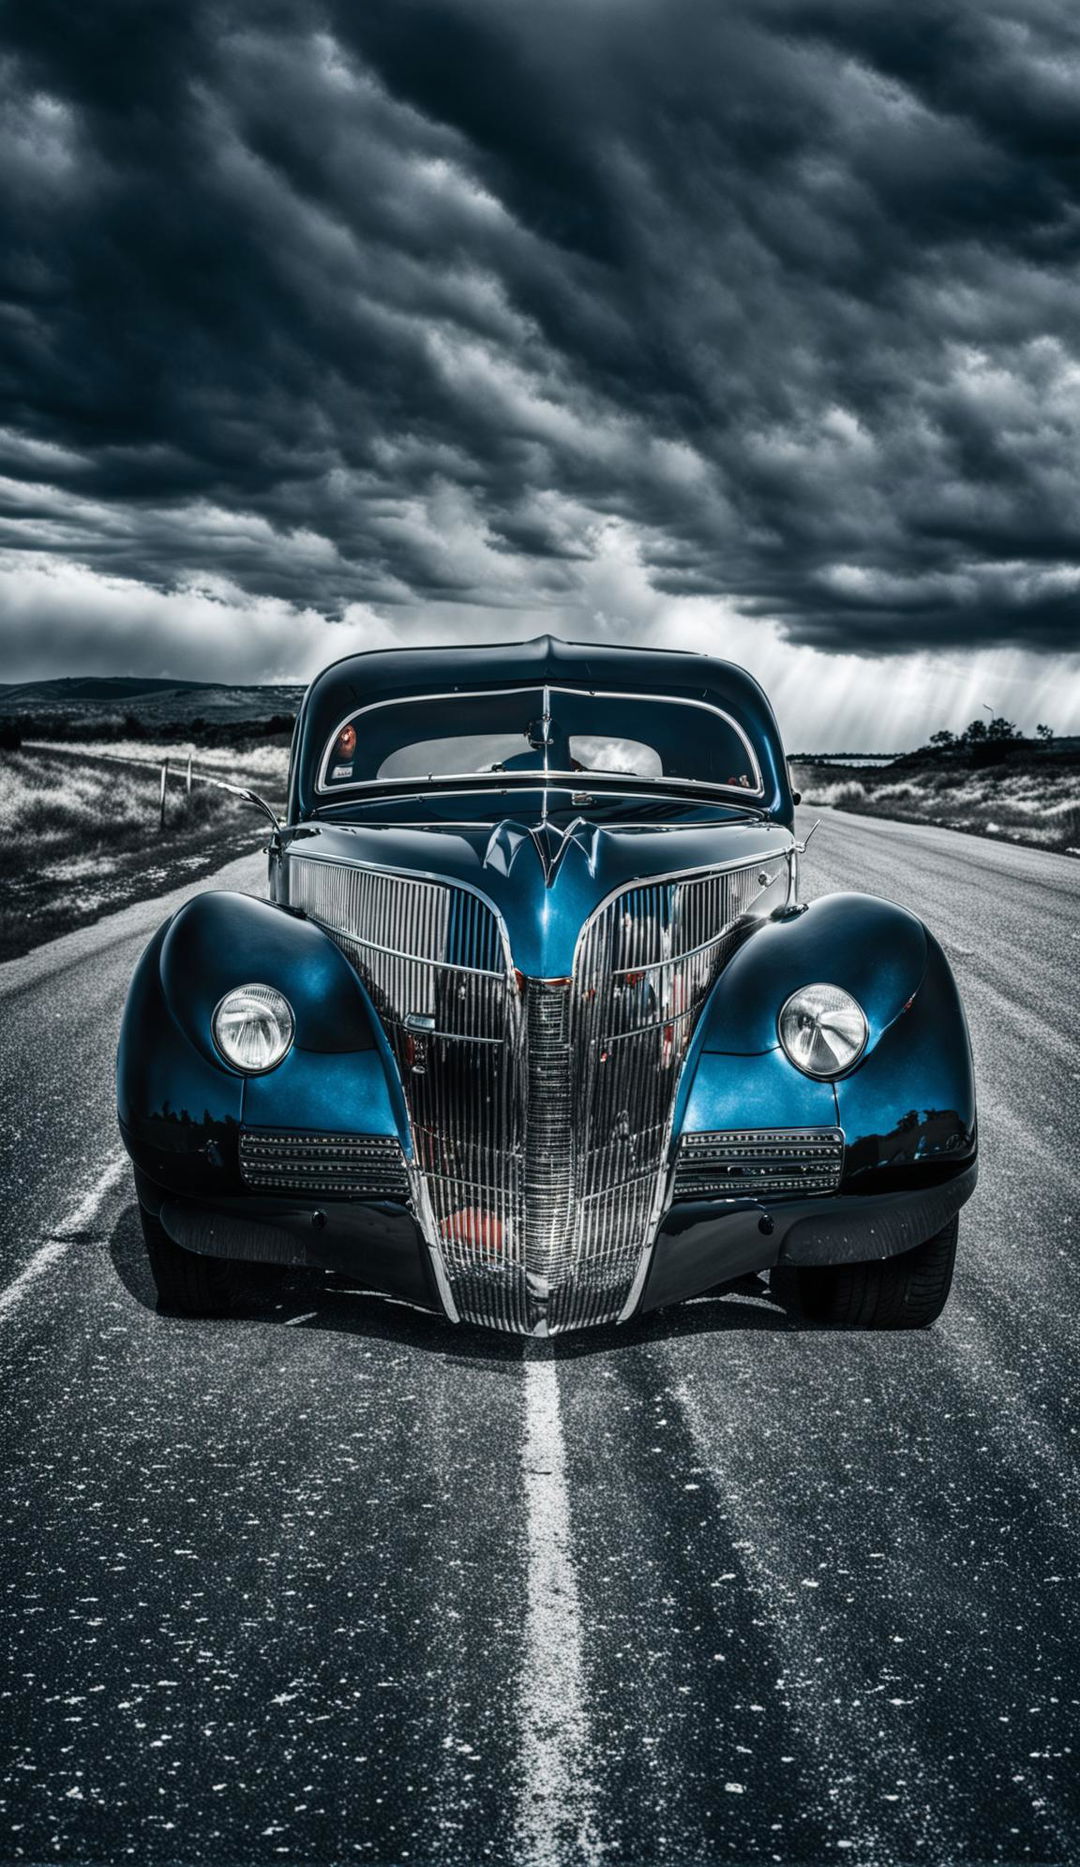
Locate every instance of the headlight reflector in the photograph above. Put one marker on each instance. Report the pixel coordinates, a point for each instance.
(253, 1028)
(823, 1030)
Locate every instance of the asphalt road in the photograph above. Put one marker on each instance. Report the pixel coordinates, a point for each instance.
(335, 1582)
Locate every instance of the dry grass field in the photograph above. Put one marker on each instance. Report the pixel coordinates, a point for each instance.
(1036, 804)
(80, 836)
(264, 767)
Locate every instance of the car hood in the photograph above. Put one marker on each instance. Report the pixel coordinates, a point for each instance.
(543, 878)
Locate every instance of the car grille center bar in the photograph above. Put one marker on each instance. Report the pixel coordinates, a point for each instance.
(540, 1110)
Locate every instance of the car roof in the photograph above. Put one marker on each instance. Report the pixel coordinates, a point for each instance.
(389, 674)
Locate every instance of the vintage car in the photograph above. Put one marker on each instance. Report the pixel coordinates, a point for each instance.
(535, 1030)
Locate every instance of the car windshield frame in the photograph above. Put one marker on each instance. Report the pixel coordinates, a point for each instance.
(541, 776)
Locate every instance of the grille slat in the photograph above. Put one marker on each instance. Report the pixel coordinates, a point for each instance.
(540, 1113)
(753, 1162)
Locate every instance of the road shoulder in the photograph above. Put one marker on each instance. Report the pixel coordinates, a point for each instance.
(245, 874)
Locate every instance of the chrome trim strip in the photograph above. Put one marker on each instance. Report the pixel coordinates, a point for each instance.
(712, 1140)
(414, 959)
(442, 1282)
(638, 1285)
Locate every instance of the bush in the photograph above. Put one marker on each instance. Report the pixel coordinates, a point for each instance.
(985, 752)
(845, 794)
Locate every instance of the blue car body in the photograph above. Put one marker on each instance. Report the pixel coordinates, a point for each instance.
(535, 910)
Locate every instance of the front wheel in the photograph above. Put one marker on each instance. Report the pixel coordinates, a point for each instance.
(185, 1282)
(906, 1292)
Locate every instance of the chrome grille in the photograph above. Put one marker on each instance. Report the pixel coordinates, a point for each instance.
(540, 1110)
(433, 959)
(756, 1162)
(644, 966)
(348, 1165)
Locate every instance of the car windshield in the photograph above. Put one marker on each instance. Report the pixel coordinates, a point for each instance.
(557, 732)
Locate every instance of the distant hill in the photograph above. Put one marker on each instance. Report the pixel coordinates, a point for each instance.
(98, 687)
(91, 700)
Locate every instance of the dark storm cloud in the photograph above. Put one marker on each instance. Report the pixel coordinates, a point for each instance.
(407, 300)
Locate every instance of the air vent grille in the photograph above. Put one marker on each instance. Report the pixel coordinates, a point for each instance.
(346, 1165)
(757, 1163)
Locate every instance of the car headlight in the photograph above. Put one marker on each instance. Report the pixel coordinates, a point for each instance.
(823, 1030)
(253, 1028)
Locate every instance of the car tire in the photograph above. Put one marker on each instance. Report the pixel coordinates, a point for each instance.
(906, 1292)
(186, 1283)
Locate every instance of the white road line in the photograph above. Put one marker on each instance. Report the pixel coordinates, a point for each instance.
(554, 1819)
(75, 1220)
(86, 1210)
(41, 1260)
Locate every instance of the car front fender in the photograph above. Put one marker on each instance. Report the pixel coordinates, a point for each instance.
(219, 941)
(907, 1109)
(181, 1106)
(872, 948)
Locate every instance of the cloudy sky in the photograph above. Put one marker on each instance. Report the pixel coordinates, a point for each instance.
(748, 325)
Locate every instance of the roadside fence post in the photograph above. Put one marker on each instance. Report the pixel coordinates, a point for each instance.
(164, 781)
(188, 784)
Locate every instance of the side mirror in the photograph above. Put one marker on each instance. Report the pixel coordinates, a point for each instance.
(260, 803)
